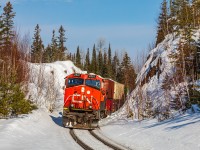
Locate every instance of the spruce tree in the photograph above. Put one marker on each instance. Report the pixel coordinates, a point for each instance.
(110, 70)
(8, 25)
(61, 44)
(162, 30)
(78, 58)
(105, 65)
(87, 61)
(54, 48)
(127, 72)
(100, 63)
(115, 67)
(37, 46)
(48, 55)
(94, 60)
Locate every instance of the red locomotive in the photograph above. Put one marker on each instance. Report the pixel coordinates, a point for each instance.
(88, 98)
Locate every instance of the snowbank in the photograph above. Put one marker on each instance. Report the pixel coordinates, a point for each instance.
(47, 82)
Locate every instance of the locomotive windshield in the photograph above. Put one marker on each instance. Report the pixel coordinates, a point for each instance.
(75, 82)
(93, 83)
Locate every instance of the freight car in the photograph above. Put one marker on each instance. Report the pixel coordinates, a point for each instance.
(114, 95)
(88, 98)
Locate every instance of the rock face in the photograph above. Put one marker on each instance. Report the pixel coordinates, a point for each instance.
(150, 98)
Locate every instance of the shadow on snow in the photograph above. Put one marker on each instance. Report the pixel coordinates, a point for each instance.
(57, 120)
(178, 122)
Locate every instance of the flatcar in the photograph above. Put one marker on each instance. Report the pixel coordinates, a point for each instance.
(87, 99)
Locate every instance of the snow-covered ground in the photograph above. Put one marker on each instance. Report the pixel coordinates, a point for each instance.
(42, 130)
(180, 133)
(37, 131)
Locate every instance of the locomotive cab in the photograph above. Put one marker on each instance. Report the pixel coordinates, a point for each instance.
(83, 98)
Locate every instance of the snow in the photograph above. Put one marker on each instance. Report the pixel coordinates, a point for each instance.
(86, 137)
(43, 130)
(39, 130)
(47, 82)
(179, 133)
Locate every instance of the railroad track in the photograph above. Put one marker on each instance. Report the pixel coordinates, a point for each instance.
(89, 140)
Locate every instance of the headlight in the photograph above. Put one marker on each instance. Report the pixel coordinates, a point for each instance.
(72, 105)
(82, 89)
(90, 107)
(88, 92)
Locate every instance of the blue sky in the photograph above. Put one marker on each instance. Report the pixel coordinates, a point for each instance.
(128, 25)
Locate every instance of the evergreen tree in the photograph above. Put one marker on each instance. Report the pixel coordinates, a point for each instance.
(8, 25)
(13, 100)
(105, 65)
(4, 100)
(19, 104)
(61, 44)
(37, 46)
(162, 30)
(87, 61)
(54, 48)
(48, 55)
(127, 72)
(109, 66)
(78, 58)
(100, 63)
(115, 67)
(172, 17)
(94, 60)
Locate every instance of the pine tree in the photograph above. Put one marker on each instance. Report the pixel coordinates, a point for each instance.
(8, 25)
(48, 55)
(105, 65)
(54, 48)
(94, 60)
(110, 70)
(61, 44)
(127, 72)
(78, 58)
(4, 102)
(162, 30)
(115, 66)
(37, 46)
(87, 61)
(100, 63)
(19, 104)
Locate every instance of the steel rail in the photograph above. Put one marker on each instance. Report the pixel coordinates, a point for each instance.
(81, 143)
(115, 147)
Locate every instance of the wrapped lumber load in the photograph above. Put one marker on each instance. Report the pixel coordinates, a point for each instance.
(118, 91)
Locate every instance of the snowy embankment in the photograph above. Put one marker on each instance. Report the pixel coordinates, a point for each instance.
(179, 133)
(47, 82)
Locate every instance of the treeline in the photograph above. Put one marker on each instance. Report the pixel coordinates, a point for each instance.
(13, 67)
(54, 51)
(181, 18)
(101, 61)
